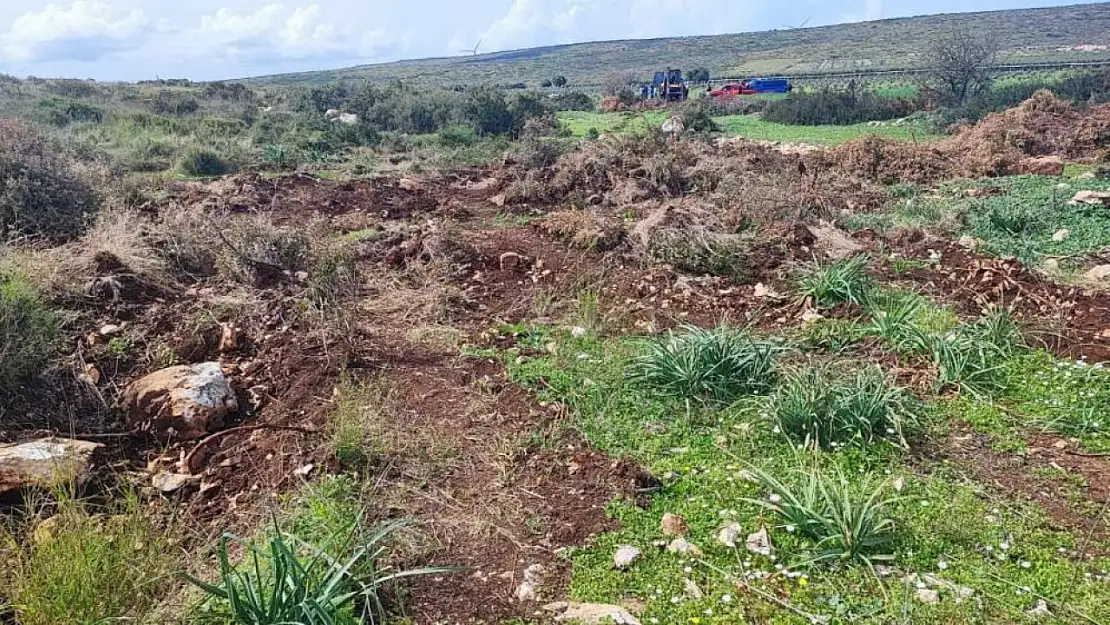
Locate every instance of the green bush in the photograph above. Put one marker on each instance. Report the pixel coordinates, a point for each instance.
(174, 103)
(707, 365)
(61, 113)
(695, 115)
(28, 331)
(832, 106)
(458, 135)
(572, 101)
(200, 162)
(815, 407)
(40, 193)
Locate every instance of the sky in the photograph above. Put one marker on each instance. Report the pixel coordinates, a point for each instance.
(223, 39)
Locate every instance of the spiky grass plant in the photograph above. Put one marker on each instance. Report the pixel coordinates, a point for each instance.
(843, 282)
(295, 582)
(818, 407)
(895, 320)
(848, 522)
(707, 365)
(972, 358)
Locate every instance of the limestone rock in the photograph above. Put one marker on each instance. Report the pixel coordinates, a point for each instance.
(1061, 235)
(1097, 198)
(683, 547)
(759, 542)
(590, 613)
(185, 401)
(729, 534)
(1043, 166)
(1100, 273)
(44, 463)
(625, 556)
(529, 588)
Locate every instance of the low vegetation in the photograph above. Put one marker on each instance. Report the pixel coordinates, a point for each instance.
(28, 331)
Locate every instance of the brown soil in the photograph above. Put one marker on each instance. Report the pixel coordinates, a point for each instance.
(1070, 320)
(1015, 476)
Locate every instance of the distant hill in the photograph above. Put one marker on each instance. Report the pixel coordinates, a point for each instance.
(1079, 32)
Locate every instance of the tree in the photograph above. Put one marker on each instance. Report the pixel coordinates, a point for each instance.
(699, 74)
(959, 65)
(614, 82)
(559, 81)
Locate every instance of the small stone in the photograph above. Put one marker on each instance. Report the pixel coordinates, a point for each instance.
(498, 200)
(92, 374)
(303, 471)
(969, 242)
(691, 589)
(530, 586)
(45, 463)
(674, 525)
(1040, 610)
(1061, 235)
(1099, 273)
(928, 596)
(510, 261)
(811, 316)
(729, 534)
(762, 291)
(110, 329)
(590, 613)
(625, 556)
(167, 482)
(578, 332)
(759, 542)
(1051, 265)
(684, 547)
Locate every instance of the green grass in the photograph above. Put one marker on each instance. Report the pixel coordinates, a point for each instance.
(749, 126)
(28, 330)
(85, 564)
(1006, 552)
(842, 282)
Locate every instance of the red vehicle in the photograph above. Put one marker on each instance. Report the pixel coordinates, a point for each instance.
(753, 86)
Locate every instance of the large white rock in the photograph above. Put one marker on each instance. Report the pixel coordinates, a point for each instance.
(186, 401)
(44, 463)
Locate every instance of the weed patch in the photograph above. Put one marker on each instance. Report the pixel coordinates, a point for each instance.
(28, 331)
(843, 282)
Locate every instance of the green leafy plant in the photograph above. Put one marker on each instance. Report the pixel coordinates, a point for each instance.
(849, 521)
(201, 162)
(832, 335)
(707, 365)
(295, 582)
(814, 406)
(895, 320)
(843, 282)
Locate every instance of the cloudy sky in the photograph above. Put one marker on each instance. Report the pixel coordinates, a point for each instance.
(211, 39)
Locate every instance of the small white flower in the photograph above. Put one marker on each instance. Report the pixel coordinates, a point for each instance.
(676, 600)
(726, 598)
(578, 332)
(1025, 564)
(790, 529)
(942, 565)
(774, 498)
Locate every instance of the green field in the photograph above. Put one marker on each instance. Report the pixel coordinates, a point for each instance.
(748, 126)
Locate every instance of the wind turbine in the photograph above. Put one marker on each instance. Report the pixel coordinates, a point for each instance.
(474, 52)
(802, 25)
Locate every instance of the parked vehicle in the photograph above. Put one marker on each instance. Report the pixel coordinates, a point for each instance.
(753, 86)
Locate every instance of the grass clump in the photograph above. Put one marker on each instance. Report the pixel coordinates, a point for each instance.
(815, 407)
(257, 251)
(848, 520)
(971, 358)
(707, 365)
(843, 282)
(28, 331)
(293, 581)
(352, 424)
(199, 163)
(86, 565)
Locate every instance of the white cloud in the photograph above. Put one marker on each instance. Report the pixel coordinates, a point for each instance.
(84, 30)
(278, 31)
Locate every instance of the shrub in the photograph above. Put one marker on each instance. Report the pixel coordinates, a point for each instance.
(536, 152)
(199, 162)
(293, 581)
(847, 522)
(707, 365)
(695, 116)
(173, 103)
(489, 111)
(59, 112)
(40, 193)
(458, 135)
(844, 281)
(28, 331)
(841, 107)
(572, 101)
(816, 407)
(90, 566)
